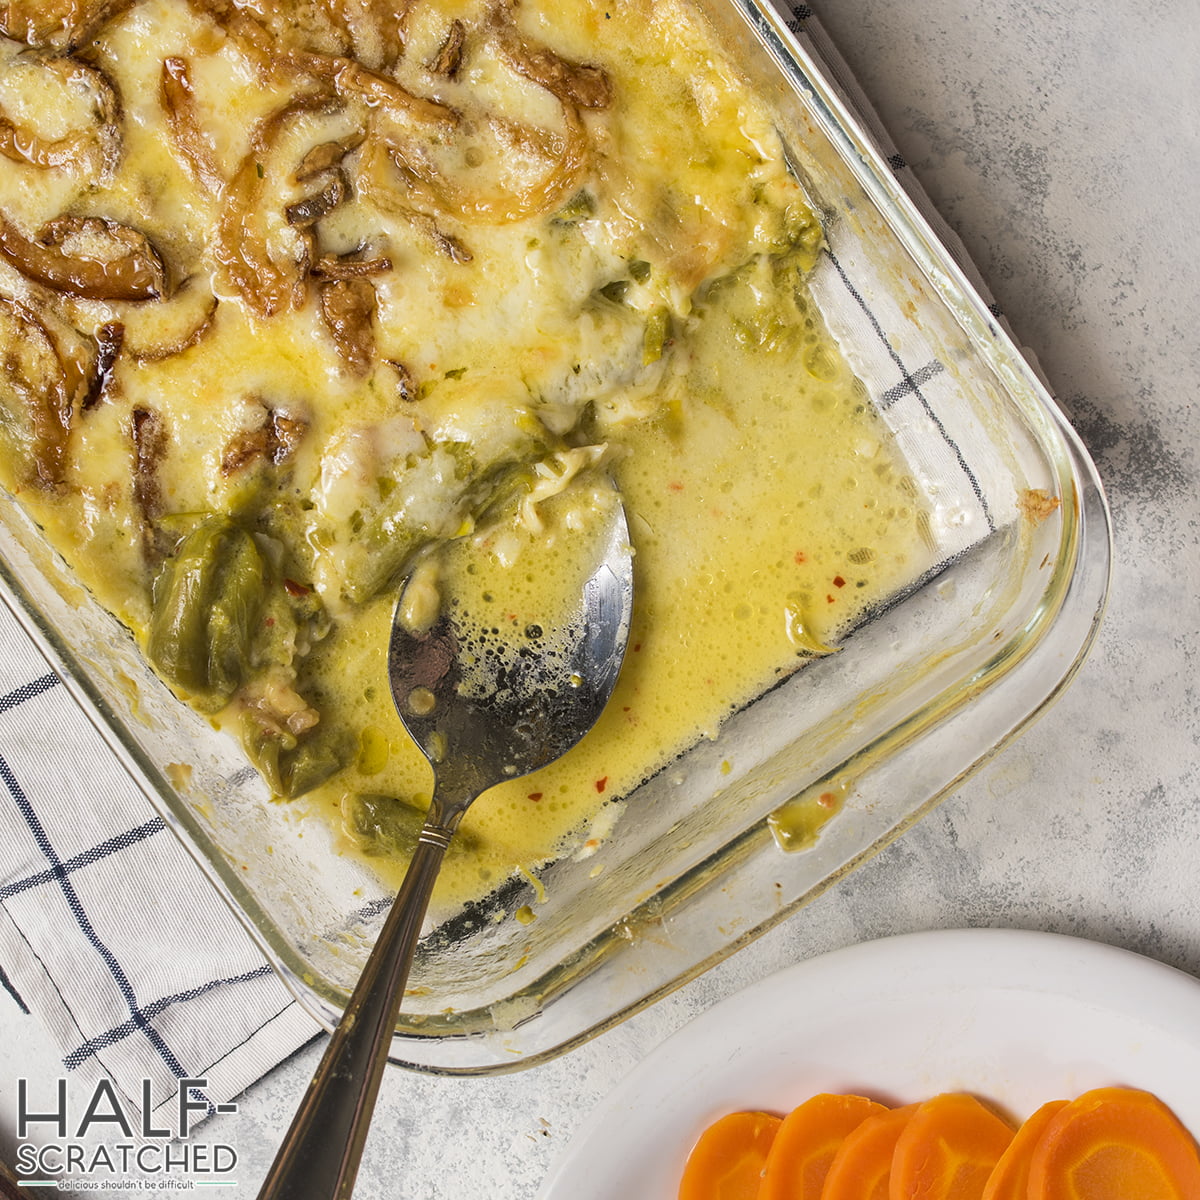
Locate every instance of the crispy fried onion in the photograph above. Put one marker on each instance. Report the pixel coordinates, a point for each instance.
(556, 160)
(272, 52)
(348, 309)
(326, 156)
(109, 338)
(576, 84)
(565, 153)
(59, 24)
(350, 266)
(322, 164)
(354, 80)
(90, 257)
(37, 393)
(94, 149)
(268, 266)
(156, 332)
(449, 57)
(150, 442)
(275, 440)
(375, 181)
(308, 211)
(348, 303)
(372, 31)
(179, 103)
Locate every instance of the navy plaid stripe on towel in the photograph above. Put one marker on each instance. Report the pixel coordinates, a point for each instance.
(109, 932)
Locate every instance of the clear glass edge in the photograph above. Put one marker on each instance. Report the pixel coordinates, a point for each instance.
(1076, 598)
(1071, 617)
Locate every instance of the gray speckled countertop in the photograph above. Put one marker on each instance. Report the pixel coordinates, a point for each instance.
(1061, 140)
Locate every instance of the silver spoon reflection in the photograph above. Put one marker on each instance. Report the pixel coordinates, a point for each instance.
(485, 704)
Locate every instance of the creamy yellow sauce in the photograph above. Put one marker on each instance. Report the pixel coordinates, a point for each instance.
(574, 233)
(728, 560)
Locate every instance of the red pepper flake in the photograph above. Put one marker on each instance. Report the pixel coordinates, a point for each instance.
(800, 557)
(829, 599)
(838, 581)
(601, 784)
(270, 622)
(535, 796)
(675, 485)
(636, 647)
(827, 800)
(295, 589)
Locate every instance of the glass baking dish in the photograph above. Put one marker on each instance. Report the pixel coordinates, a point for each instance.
(868, 739)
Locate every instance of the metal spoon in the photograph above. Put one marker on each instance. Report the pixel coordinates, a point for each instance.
(483, 708)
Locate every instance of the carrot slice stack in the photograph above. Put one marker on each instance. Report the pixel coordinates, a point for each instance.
(807, 1141)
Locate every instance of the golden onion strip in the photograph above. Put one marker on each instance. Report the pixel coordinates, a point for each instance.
(134, 272)
(36, 391)
(179, 104)
(95, 149)
(269, 284)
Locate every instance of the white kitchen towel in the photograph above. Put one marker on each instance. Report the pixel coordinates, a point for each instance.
(112, 935)
(109, 932)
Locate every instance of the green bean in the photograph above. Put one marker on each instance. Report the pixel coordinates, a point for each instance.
(389, 825)
(655, 341)
(292, 764)
(207, 599)
(578, 208)
(387, 544)
(234, 613)
(268, 747)
(36, 394)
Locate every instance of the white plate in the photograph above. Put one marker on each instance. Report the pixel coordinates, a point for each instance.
(1015, 1017)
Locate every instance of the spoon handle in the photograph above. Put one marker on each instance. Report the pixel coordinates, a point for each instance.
(321, 1151)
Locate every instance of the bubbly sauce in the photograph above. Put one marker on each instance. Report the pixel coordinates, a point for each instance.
(291, 294)
(739, 573)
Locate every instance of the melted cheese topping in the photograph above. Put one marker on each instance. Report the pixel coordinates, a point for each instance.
(397, 271)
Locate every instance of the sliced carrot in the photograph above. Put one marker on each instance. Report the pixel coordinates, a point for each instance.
(948, 1150)
(727, 1160)
(1115, 1144)
(807, 1141)
(862, 1166)
(1009, 1179)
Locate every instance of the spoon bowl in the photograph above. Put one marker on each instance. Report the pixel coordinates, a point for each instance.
(486, 703)
(492, 684)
